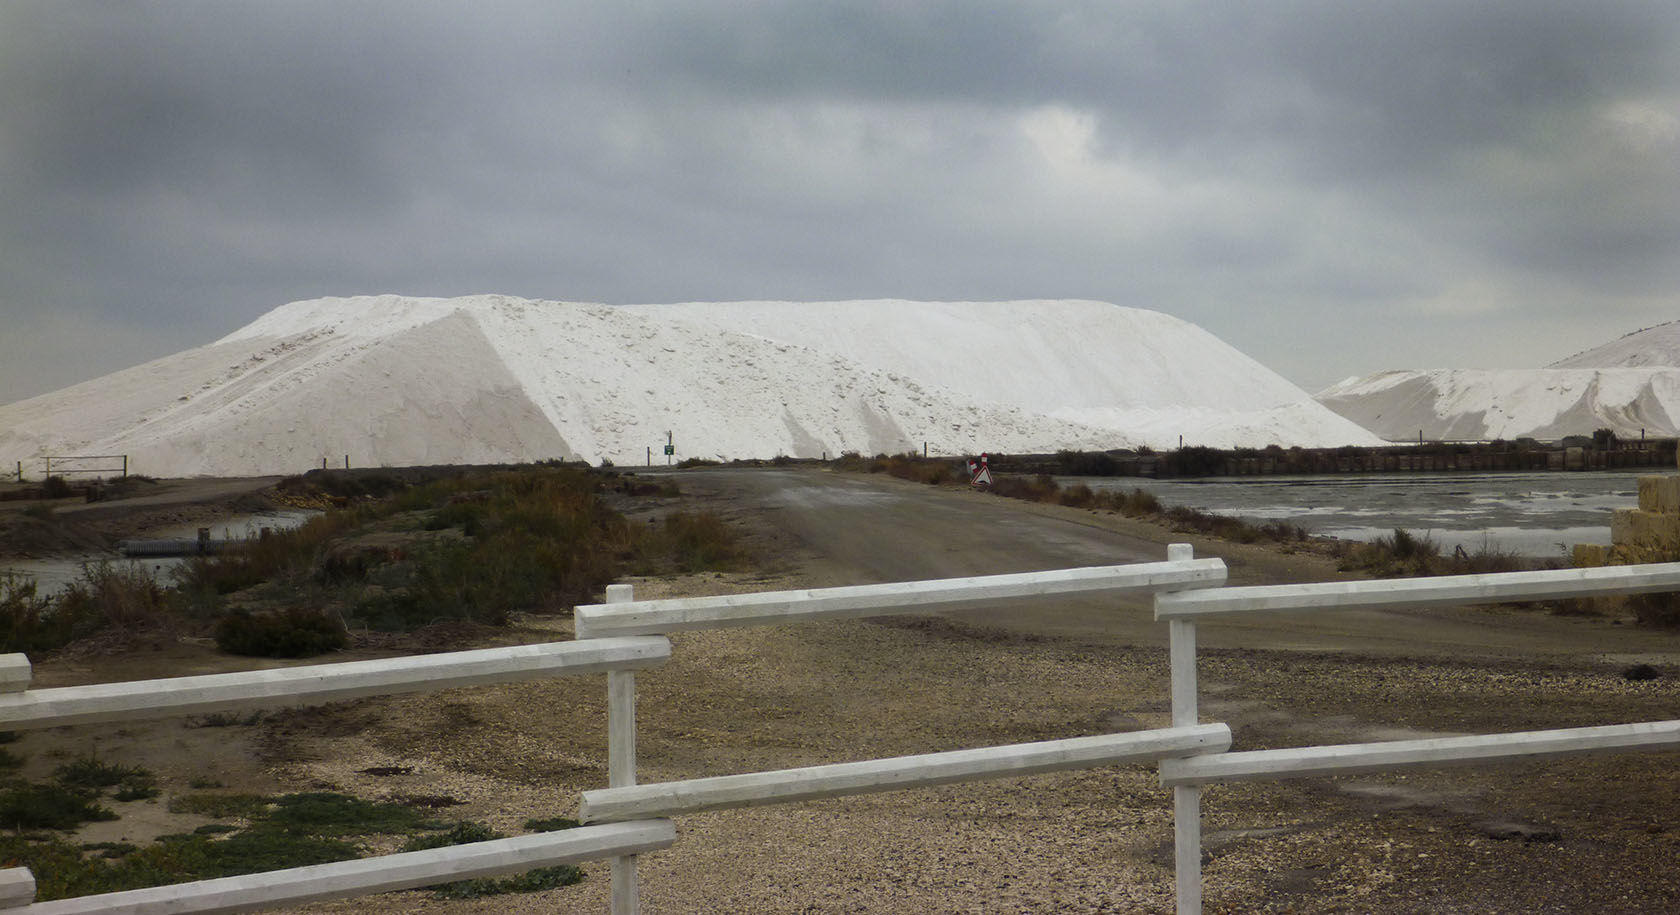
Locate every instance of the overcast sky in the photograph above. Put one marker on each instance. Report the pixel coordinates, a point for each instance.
(1332, 187)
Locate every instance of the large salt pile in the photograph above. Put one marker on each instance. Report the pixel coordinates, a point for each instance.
(396, 380)
(1630, 385)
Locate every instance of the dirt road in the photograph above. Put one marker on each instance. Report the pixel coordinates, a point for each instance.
(863, 528)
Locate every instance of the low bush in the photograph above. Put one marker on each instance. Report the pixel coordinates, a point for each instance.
(323, 813)
(292, 633)
(458, 834)
(551, 824)
(532, 881)
(685, 542)
(24, 806)
(93, 772)
(221, 806)
(1404, 554)
(31, 623)
(124, 596)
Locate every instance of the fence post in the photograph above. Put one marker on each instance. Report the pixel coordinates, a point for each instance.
(621, 761)
(1187, 799)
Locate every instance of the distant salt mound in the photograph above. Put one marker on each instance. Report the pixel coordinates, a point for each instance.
(393, 380)
(1630, 385)
(1653, 347)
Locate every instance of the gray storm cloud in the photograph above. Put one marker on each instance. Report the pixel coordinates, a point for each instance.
(1333, 188)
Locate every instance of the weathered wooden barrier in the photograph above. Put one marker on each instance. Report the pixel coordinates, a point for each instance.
(1181, 611)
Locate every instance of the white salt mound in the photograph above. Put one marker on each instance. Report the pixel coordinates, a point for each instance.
(394, 380)
(1630, 385)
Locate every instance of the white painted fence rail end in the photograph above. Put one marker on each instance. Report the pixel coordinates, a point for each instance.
(771, 607)
(1413, 593)
(1300, 762)
(127, 701)
(372, 875)
(840, 779)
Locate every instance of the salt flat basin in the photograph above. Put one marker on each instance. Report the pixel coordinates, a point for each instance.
(1530, 514)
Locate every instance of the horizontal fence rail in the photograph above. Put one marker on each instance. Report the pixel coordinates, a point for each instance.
(1300, 762)
(402, 871)
(40, 708)
(840, 779)
(1414, 593)
(771, 607)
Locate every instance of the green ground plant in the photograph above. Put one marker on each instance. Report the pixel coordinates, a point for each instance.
(295, 632)
(292, 830)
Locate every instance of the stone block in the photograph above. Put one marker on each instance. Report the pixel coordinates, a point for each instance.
(1648, 495)
(1660, 493)
(1621, 525)
(1633, 527)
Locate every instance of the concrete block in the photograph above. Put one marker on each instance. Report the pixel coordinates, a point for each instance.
(17, 887)
(15, 673)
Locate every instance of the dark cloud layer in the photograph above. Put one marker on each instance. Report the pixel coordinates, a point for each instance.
(1332, 187)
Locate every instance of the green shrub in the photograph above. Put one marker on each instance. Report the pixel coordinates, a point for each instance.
(25, 806)
(55, 487)
(685, 542)
(551, 824)
(328, 814)
(265, 849)
(543, 878)
(124, 596)
(221, 806)
(459, 834)
(91, 773)
(292, 633)
(30, 623)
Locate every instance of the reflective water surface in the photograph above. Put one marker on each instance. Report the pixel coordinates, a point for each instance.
(1532, 514)
(54, 575)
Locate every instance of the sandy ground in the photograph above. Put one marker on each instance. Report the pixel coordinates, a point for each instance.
(1576, 835)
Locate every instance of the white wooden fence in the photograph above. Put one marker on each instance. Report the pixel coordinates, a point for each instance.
(25, 708)
(1181, 611)
(626, 819)
(622, 615)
